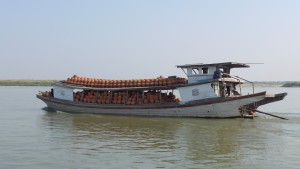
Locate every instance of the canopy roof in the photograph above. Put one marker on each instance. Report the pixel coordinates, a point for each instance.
(61, 84)
(221, 65)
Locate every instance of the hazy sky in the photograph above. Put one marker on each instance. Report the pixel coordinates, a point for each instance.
(122, 39)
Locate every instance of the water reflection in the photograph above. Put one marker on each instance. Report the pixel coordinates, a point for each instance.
(169, 141)
(133, 130)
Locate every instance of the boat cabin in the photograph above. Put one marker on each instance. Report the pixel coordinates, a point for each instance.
(203, 84)
(202, 72)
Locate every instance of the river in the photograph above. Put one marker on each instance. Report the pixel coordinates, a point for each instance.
(31, 137)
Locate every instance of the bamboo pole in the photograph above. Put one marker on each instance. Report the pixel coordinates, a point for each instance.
(267, 113)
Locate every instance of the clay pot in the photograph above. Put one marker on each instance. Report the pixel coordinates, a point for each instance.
(151, 100)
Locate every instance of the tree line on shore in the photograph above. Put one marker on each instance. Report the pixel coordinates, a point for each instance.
(291, 84)
(26, 82)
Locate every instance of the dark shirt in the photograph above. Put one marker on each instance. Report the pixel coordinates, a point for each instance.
(218, 74)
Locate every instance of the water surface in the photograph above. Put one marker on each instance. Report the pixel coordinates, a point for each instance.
(34, 138)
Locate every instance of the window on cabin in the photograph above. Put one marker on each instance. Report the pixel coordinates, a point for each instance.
(205, 70)
(195, 71)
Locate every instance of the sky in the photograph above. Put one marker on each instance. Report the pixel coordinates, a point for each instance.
(133, 39)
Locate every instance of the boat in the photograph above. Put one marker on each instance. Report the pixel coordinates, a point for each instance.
(208, 91)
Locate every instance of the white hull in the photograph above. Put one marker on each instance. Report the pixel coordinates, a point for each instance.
(221, 108)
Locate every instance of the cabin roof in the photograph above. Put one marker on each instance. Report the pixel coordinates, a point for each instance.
(221, 65)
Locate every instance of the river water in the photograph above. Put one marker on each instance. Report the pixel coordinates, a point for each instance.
(33, 138)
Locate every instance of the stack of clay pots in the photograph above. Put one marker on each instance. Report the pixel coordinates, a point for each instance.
(45, 94)
(134, 97)
(103, 83)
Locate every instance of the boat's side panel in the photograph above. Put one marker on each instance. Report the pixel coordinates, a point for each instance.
(196, 92)
(63, 93)
(195, 111)
(231, 108)
(228, 108)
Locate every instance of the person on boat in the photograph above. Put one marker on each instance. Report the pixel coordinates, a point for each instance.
(218, 73)
(52, 92)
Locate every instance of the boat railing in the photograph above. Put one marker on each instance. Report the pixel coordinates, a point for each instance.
(239, 78)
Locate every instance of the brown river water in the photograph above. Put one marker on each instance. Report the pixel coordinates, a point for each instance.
(33, 138)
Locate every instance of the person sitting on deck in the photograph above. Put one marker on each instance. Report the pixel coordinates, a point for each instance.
(217, 73)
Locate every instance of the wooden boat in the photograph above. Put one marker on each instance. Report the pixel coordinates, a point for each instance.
(200, 95)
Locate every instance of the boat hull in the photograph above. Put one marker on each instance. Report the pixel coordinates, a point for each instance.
(209, 108)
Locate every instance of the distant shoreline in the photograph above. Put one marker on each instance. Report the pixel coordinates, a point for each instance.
(292, 84)
(26, 82)
(50, 82)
